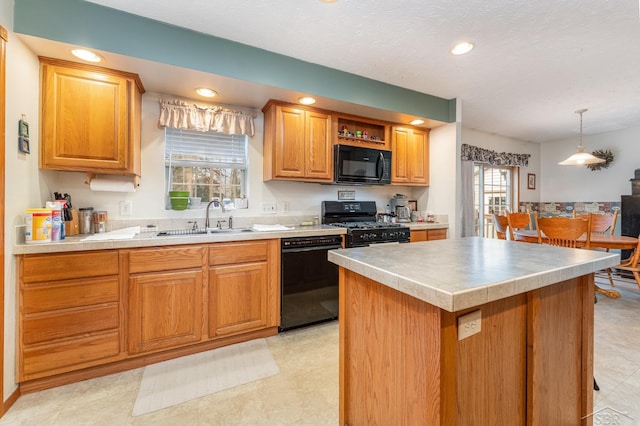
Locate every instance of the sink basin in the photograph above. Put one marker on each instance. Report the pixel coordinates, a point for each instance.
(211, 231)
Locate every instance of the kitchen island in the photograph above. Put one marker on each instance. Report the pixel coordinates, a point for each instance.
(467, 331)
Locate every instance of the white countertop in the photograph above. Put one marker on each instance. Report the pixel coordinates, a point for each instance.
(457, 274)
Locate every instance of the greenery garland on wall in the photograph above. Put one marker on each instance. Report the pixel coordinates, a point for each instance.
(606, 155)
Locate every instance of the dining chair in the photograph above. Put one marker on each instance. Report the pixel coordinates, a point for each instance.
(630, 265)
(562, 231)
(518, 221)
(602, 224)
(501, 224)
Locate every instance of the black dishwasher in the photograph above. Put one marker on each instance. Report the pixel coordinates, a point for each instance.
(309, 283)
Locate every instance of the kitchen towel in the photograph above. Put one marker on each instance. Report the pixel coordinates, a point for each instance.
(189, 377)
(119, 234)
(270, 228)
(113, 185)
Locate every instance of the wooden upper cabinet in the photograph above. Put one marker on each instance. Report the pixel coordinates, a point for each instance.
(410, 156)
(297, 144)
(91, 118)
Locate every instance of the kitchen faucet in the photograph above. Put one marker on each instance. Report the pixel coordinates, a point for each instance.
(217, 202)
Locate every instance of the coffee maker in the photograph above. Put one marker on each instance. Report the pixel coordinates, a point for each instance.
(400, 207)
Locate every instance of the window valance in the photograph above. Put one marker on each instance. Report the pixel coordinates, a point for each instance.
(181, 115)
(481, 155)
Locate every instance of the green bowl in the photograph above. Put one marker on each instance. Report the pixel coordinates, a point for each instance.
(178, 194)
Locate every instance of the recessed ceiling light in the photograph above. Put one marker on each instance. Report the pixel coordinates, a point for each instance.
(87, 55)
(462, 48)
(328, 1)
(416, 121)
(206, 92)
(307, 100)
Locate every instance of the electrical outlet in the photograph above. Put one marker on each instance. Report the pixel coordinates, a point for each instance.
(469, 324)
(268, 208)
(126, 208)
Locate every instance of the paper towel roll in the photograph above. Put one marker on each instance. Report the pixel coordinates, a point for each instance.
(101, 184)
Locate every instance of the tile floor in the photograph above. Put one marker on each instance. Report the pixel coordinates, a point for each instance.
(306, 390)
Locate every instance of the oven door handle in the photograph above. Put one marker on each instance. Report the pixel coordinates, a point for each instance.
(303, 249)
(380, 167)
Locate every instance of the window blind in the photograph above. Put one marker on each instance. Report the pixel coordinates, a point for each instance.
(190, 148)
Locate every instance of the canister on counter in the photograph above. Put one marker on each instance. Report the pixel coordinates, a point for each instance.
(38, 226)
(86, 220)
(100, 221)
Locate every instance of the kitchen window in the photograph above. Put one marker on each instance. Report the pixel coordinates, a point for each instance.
(206, 164)
(493, 193)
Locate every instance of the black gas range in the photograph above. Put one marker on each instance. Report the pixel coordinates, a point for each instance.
(359, 217)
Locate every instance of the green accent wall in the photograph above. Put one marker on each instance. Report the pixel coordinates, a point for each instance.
(95, 26)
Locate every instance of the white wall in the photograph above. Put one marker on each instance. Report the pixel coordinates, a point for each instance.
(23, 186)
(578, 183)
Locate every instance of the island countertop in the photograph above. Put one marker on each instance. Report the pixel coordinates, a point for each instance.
(457, 274)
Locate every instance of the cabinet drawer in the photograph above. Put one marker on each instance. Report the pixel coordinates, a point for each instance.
(69, 355)
(241, 252)
(437, 234)
(165, 259)
(40, 328)
(49, 296)
(51, 267)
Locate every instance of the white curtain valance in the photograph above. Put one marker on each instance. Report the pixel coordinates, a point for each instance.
(181, 115)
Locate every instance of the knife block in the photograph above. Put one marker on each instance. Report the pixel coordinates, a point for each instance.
(72, 227)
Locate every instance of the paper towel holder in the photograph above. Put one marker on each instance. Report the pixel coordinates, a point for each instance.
(90, 176)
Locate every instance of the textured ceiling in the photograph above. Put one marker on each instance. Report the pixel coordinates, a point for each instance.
(534, 64)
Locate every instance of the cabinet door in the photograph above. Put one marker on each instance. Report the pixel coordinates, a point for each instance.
(318, 161)
(400, 142)
(165, 310)
(85, 120)
(290, 142)
(410, 158)
(238, 298)
(419, 157)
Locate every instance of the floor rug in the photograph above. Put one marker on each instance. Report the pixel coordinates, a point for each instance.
(189, 377)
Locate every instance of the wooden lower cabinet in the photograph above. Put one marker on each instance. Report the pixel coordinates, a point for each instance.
(69, 315)
(428, 235)
(108, 309)
(243, 287)
(165, 310)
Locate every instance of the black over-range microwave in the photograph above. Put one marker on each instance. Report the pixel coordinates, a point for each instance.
(361, 166)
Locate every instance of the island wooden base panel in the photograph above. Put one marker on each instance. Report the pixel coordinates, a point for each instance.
(401, 361)
(128, 364)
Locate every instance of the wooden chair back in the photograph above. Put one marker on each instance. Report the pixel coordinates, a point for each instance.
(562, 231)
(518, 221)
(601, 223)
(501, 224)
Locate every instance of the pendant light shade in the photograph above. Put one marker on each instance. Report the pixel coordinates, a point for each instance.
(580, 158)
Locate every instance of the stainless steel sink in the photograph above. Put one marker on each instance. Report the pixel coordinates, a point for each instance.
(211, 231)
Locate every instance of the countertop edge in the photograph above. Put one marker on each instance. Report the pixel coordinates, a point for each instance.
(454, 301)
(150, 239)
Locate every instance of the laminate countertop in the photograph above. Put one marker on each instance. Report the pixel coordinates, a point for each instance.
(150, 239)
(457, 274)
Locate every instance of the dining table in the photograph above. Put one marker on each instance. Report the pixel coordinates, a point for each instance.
(597, 241)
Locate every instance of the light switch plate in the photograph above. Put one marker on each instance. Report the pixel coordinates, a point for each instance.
(469, 324)
(268, 208)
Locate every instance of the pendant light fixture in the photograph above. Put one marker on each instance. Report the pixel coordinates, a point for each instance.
(580, 158)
